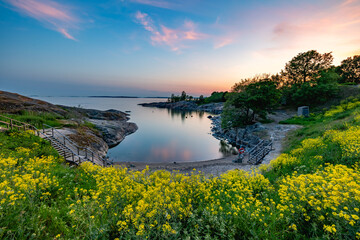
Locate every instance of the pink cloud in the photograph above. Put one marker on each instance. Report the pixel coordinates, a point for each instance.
(54, 15)
(334, 29)
(348, 2)
(66, 34)
(146, 21)
(333, 21)
(174, 38)
(222, 42)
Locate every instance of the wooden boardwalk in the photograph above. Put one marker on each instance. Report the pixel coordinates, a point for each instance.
(71, 152)
(256, 154)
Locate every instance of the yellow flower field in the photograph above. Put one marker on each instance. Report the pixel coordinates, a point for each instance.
(304, 193)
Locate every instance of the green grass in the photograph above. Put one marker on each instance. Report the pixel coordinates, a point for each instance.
(37, 119)
(40, 217)
(340, 117)
(11, 140)
(106, 203)
(318, 123)
(91, 126)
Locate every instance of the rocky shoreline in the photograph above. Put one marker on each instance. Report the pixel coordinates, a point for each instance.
(214, 108)
(110, 126)
(246, 137)
(215, 167)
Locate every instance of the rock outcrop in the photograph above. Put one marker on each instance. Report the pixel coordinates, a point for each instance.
(112, 124)
(15, 103)
(114, 131)
(247, 137)
(85, 137)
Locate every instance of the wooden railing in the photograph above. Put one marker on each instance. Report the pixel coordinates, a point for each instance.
(87, 153)
(11, 124)
(67, 148)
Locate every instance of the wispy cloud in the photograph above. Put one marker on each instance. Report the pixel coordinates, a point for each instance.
(52, 14)
(156, 3)
(333, 29)
(66, 34)
(174, 38)
(223, 41)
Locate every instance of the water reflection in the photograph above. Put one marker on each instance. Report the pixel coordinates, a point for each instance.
(184, 114)
(164, 135)
(169, 152)
(227, 149)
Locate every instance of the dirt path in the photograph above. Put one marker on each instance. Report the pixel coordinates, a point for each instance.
(216, 167)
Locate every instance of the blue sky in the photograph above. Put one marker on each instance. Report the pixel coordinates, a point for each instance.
(156, 47)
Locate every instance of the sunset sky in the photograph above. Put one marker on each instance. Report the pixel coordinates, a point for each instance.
(157, 47)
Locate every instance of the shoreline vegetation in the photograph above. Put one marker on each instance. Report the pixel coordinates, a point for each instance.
(310, 190)
(95, 129)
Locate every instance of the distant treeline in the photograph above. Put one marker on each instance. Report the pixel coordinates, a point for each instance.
(215, 97)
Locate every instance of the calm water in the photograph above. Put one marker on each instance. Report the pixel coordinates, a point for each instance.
(163, 135)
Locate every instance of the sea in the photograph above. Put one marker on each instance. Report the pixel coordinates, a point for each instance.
(164, 135)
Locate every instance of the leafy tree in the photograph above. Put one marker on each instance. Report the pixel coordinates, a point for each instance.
(306, 67)
(201, 99)
(237, 111)
(263, 96)
(258, 95)
(183, 96)
(178, 98)
(317, 91)
(350, 69)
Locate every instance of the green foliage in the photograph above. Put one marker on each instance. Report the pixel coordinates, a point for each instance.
(314, 92)
(249, 98)
(310, 192)
(350, 69)
(37, 119)
(236, 113)
(11, 141)
(306, 66)
(200, 100)
(334, 118)
(90, 125)
(216, 97)
(174, 98)
(183, 97)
